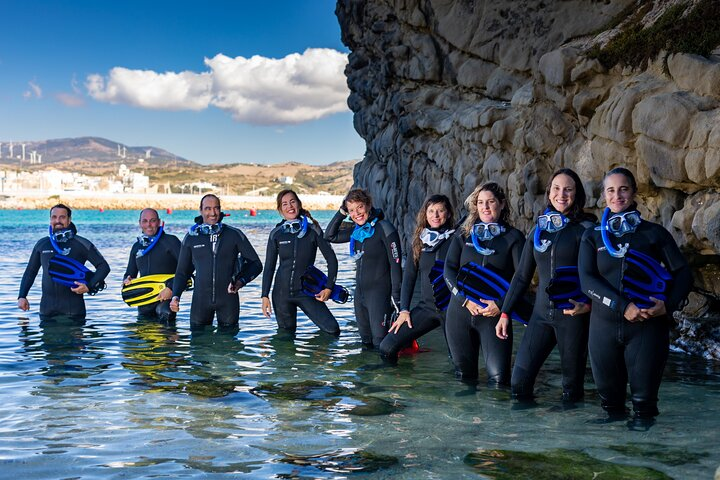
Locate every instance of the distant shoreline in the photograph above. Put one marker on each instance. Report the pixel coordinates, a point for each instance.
(136, 201)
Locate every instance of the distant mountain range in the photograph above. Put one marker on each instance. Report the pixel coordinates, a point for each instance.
(84, 150)
(102, 157)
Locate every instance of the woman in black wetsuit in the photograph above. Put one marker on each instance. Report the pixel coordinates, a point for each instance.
(375, 246)
(552, 247)
(631, 312)
(486, 239)
(295, 241)
(434, 226)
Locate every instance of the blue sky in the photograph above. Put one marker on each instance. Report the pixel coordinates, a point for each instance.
(214, 81)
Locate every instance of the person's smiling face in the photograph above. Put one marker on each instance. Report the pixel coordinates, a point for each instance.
(618, 191)
(359, 212)
(489, 207)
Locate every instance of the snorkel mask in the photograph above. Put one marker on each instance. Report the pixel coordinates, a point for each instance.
(618, 224)
(432, 238)
(207, 229)
(360, 234)
(550, 221)
(485, 231)
(297, 226)
(60, 236)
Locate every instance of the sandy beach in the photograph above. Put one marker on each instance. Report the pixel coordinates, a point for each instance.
(130, 201)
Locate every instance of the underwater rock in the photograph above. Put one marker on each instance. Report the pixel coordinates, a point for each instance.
(553, 465)
(343, 461)
(661, 453)
(327, 396)
(209, 388)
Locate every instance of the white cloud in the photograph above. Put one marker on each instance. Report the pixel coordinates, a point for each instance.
(35, 90)
(258, 90)
(148, 89)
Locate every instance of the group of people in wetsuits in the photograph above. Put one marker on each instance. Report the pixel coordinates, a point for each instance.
(608, 290)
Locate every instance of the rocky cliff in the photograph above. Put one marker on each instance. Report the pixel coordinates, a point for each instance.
(450, 93)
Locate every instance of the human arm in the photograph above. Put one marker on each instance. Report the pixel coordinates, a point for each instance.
(28, 278)
(339, 231)
(391, 240)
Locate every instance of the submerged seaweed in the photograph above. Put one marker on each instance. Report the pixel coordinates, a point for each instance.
(553, 465)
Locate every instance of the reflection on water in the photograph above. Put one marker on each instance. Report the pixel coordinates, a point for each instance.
(121, 396)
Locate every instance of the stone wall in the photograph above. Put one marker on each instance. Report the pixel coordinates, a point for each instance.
(450, 93)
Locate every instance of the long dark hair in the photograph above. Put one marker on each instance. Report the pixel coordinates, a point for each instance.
(301, 210)
(471, 205)
(421, 221)
(576, 211)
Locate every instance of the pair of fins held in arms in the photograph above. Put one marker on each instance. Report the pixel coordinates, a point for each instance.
(476, 283)
(643, 277)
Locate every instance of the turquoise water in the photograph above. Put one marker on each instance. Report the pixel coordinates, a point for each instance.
(122, 398)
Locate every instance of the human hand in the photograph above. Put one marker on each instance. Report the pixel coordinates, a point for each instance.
(23, 304)
(633, 314)
(175, 304)
(127, 280)
(266, 307)
(654, 311)
(165, 294)
(80, 289)
(403, 317)
(491, 310)
(501, 328)
(323, 295)
(578, 308)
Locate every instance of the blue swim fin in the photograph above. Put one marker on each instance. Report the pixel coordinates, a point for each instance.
(66, 271)
(564, 286)
(476, 281)
(441, 292)
(314, 281)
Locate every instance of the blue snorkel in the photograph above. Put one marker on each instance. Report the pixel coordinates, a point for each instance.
(550, 221)
(152, 243)
(615, 252)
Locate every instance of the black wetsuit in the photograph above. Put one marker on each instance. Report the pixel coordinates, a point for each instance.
(467, 334)
(425, 316)
(296, 255)
(378, 275)
(620, 350)
(548, 325)
(58, 299)
(214, 258)
(162, 258)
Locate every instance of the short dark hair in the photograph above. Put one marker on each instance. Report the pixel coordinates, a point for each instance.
(207, 195)
(62, 205)
(358, 195)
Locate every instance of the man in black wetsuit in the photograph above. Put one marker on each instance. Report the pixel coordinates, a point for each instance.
(63, 241)
(155, 252)
(224, 261)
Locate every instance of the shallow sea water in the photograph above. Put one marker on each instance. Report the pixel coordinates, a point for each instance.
(119, 397)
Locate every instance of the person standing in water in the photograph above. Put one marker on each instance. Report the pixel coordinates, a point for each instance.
(375, 246)
(552, 248)
(296, 241)
(224, 261)
(154, 252)
(430, 242)
(636, 276)
(487, 240)
(62, 255)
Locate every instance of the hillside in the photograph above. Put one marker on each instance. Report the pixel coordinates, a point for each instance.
(102, 157)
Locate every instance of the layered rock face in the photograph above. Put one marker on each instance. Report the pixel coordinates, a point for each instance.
(452, 93)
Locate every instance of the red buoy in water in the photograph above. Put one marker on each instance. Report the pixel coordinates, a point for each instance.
(168, 211)
(253, 212)
(102, 210)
